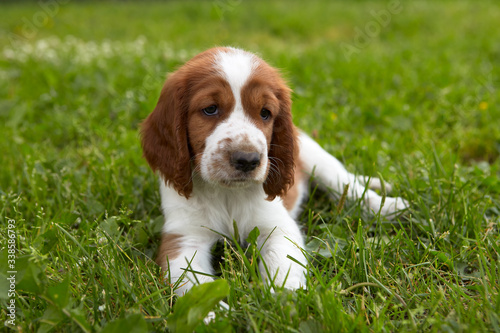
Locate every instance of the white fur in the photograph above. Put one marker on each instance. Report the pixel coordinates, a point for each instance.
(236, 67)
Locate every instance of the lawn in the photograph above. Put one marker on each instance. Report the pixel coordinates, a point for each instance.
(403, 90)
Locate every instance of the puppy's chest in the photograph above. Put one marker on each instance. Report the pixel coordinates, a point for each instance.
(224, 212)
(224, 221)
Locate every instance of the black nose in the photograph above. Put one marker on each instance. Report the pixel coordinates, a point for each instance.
(245, 161)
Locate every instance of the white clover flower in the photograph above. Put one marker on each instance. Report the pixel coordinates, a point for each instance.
(129, 94)
(9, 54)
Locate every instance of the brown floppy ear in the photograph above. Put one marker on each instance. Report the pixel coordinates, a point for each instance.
(283, 149)
(164, 137)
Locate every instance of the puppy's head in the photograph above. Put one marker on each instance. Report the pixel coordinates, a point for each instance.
(225, 115)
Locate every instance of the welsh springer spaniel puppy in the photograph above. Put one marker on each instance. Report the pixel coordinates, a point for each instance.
(222, 140)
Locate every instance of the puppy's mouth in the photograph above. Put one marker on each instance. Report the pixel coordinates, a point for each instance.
(238, 182)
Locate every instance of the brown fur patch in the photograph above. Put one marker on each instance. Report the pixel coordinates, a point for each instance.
(170, 248)
(291, 197)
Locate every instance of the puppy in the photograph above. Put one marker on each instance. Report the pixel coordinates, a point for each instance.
(222, 140)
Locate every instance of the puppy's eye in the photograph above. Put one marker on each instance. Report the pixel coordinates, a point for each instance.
(265, 114)
(212, 110)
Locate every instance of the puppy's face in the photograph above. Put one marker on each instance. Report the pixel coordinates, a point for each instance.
(231, 118)
(228, 113)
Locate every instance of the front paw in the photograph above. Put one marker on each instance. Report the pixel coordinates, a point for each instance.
(393, 207)
(211, 315)
(294, 283)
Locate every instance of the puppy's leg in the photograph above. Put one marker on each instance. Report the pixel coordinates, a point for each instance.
(374, 183)
(332, 174)
(277, 245)
(186, 260)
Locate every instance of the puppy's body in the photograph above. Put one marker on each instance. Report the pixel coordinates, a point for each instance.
(223, 142)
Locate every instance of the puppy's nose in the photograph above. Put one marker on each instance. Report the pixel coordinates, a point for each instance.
(245, 161)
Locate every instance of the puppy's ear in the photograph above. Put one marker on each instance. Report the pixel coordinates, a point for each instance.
(164, 137)
(283, 149)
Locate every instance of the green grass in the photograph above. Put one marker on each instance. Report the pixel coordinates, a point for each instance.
(418, 103)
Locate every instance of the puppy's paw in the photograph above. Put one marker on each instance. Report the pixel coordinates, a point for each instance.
(393, 207)
(375, 183)
(294, 283)
(211, 315)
